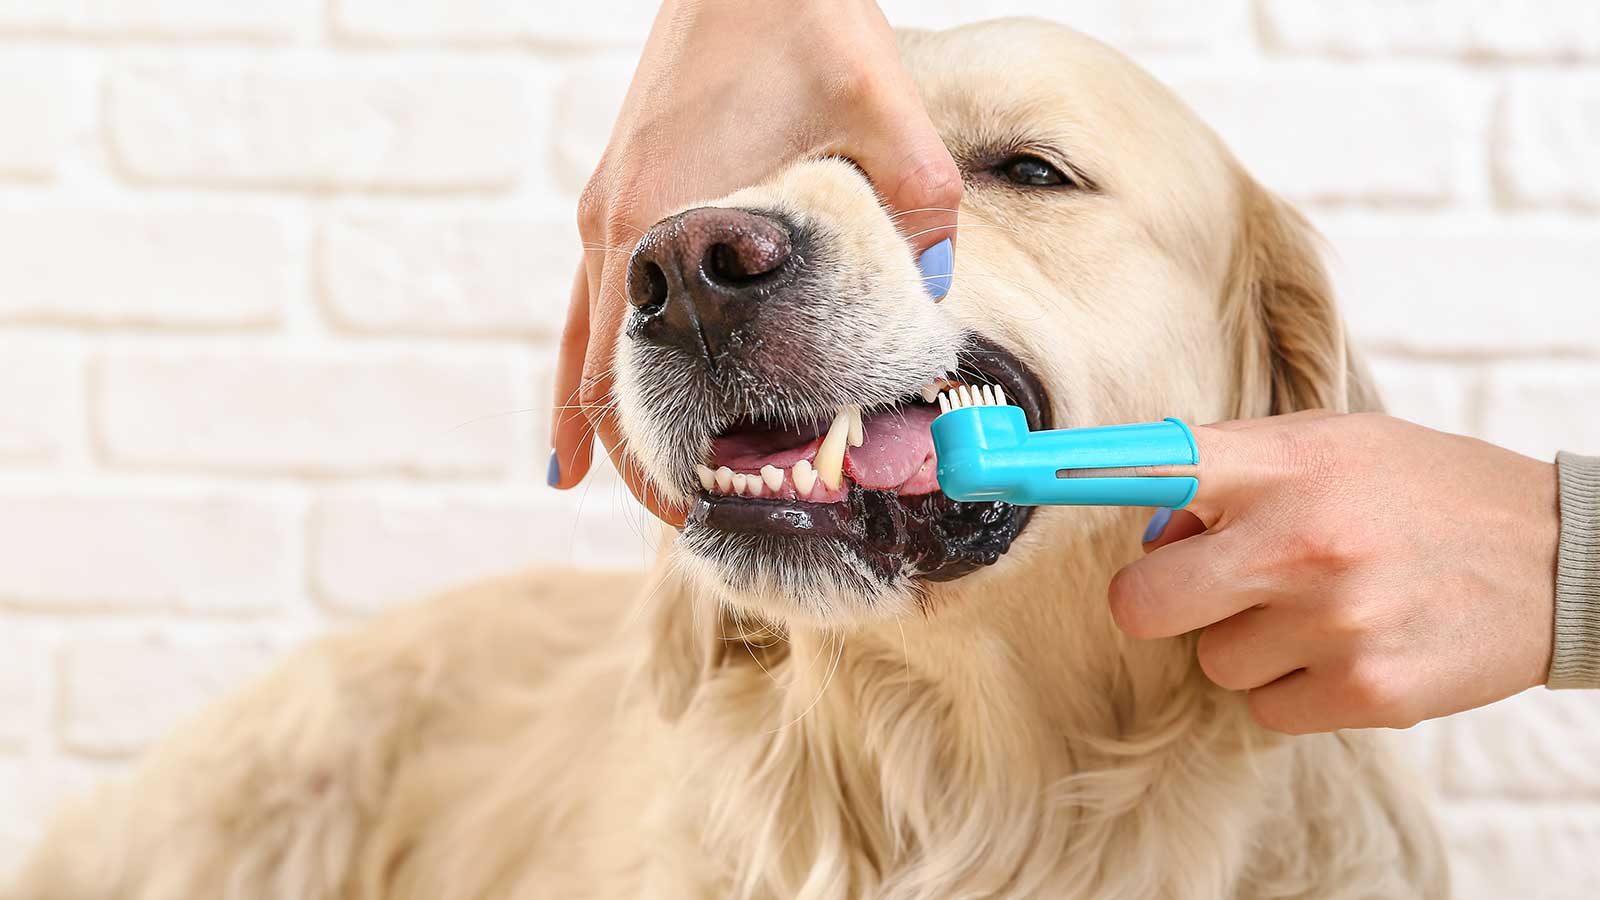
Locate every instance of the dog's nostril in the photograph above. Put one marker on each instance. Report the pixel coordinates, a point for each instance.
(744, 259)
(651, 295)
(726, 264)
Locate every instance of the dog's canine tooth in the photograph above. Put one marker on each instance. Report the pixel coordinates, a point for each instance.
(857, 434)
(724, 478)
(929, 392)
(829, 462)
(804, 477)
(708, 478)
(772, 476)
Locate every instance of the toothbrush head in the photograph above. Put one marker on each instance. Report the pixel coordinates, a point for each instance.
(975, 424)
(965, 396)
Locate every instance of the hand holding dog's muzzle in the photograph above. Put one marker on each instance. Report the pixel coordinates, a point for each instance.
(717, 105)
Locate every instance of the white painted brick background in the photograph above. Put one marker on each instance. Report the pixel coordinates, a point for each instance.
(279, 285)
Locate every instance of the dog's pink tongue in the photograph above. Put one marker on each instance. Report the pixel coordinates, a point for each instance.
(895, 446)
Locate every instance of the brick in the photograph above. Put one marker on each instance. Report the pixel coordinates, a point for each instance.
(1131, 24)
(186, 268)
(457, 276)
(369, 551)
(310, 125)
(1541, 745)
(1501, 851)
(1539, 408)
(1547, 140)
(310, 412)
(123, 550)
(119, 694)
(594, 23)
(39, 399)
(162, 18)
(1440, 288)
(1324, 134)
(1436, 395)
(22, 687)
(589, 95)
(1532, 29)
(36, 94)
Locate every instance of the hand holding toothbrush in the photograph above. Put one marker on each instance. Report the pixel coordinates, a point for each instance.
(1354, 570)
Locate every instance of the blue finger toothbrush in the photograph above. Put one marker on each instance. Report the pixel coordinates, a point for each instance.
(986, 452)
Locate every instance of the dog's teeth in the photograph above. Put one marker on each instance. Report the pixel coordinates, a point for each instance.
(829, 461)
(856, 435)
(752, 483)
(724, 477)
(738, 480)
(930, 392)
(772, 476)
(708, 478)
(804, 477)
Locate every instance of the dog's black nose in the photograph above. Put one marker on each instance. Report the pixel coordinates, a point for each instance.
(697, 280)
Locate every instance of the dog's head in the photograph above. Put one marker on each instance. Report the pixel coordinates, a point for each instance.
(1114, 265)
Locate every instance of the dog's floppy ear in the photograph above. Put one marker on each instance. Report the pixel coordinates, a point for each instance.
(1282, 316)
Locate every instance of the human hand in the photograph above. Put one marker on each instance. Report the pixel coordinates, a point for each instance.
(727, 92)
(1355, 571)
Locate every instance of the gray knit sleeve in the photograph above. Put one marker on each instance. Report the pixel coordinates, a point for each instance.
(1576, 662)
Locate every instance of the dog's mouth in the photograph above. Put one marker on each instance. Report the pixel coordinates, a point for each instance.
(866, 477)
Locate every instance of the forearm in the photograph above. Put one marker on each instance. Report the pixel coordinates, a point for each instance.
(1576, 660)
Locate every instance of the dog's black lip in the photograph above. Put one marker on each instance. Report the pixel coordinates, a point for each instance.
(934, 536)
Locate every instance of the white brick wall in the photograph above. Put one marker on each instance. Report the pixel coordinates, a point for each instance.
(279, 284)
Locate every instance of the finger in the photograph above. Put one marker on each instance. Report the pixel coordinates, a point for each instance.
(1293, 704)
(910, 166)
(1183, 586)
(1239, 463)
(571, 437)
(639, 484)
(1179, 524)
(1252, 648)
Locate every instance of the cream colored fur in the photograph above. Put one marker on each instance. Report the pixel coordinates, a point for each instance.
(561, 734)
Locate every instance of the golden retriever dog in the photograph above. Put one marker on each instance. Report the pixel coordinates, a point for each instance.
(836, 682)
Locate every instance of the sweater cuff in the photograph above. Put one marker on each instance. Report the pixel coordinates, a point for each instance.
(1576, 661)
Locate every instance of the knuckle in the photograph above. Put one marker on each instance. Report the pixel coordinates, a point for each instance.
(1269, 714)
(933, 182)
(859, 82)
(1372, 690)
(1214, 661)
(1129, 595)
(592, 203)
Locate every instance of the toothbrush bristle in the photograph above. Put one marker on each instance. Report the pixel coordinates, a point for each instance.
(963, 396)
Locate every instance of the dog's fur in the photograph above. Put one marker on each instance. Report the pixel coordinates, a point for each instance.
(695, 732)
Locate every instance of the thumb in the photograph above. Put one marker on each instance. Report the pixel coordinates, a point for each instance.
(910, 166)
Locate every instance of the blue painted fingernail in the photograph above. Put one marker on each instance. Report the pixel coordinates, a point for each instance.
(553, 476)
(1158, 524)
(937, 264)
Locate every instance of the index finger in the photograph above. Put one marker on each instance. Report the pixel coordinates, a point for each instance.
(1239, 461)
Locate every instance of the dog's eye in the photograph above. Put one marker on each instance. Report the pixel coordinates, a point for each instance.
(1031, 171)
